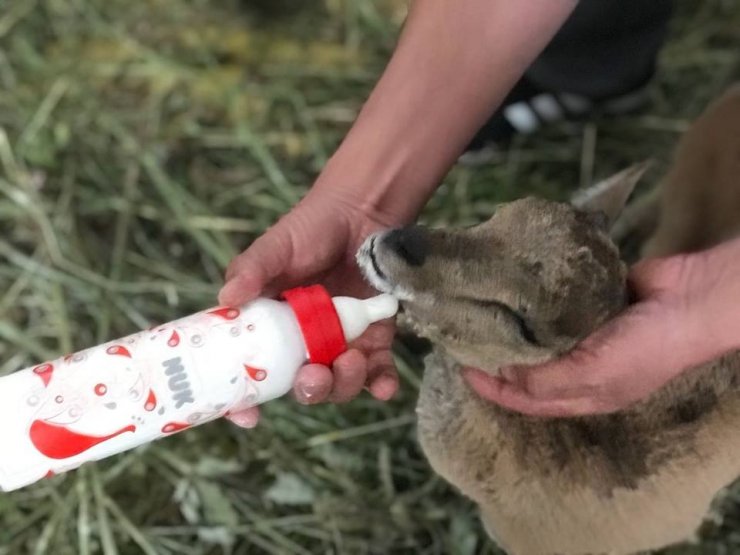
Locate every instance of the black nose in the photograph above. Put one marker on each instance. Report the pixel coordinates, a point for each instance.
(410, 243)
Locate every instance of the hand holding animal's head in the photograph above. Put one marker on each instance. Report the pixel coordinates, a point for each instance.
(523, 287)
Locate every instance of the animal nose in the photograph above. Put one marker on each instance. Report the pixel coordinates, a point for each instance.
(410, 243)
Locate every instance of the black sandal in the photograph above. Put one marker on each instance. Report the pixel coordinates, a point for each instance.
(528, 107)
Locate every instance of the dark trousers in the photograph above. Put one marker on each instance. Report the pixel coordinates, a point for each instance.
(605, 48)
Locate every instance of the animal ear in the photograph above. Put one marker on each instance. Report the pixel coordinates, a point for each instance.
(607, 198)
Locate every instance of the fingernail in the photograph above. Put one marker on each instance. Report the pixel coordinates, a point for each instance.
(305, 393)
(244, 420)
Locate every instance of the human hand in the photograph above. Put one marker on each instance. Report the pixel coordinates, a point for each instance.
(686, 312)
(316, 242)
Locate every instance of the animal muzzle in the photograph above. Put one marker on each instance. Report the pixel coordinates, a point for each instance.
(410, 244)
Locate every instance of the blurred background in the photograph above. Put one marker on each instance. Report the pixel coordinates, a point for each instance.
(144, 144)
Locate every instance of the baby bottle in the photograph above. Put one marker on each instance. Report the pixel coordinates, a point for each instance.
(155, 383)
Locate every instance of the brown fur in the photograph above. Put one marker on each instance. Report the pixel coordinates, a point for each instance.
(700, 204)
(525, 287)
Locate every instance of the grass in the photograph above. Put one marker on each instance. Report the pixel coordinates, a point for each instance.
(142, 145)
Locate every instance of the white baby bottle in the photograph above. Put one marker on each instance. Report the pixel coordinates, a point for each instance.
(113, 397)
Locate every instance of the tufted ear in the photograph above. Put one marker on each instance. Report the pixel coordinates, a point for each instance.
(607, 198)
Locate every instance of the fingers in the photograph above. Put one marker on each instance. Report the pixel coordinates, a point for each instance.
(567, 377)
(313, 384)
(252, 270)
(382, 380)
(382, 376)
(577, 374)
(622, 363)
(316, 383)
(510, 396)
(615, 352)
(247, 418)
(601, 375)
(350, 375)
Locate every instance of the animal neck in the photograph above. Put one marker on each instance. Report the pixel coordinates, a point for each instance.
(608, 452)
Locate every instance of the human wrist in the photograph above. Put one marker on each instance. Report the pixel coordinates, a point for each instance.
(377, 185)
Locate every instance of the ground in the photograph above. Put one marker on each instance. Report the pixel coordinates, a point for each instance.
(142, 145)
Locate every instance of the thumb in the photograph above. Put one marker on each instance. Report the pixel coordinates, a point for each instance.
(251, 271)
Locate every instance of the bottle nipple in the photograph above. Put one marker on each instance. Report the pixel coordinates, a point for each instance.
(356, 315)
(380, 307)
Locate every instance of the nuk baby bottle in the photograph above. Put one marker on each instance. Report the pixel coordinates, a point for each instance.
(113, 397)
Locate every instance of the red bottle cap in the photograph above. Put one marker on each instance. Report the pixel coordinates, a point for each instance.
(319, 323)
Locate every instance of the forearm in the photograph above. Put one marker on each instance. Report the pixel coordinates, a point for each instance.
(455, 61)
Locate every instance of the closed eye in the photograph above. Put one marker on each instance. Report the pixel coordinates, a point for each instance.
(524, 329)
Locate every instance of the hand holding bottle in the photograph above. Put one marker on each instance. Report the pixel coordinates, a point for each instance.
(316, 243)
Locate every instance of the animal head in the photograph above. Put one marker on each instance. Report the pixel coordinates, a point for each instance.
(521, 288)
